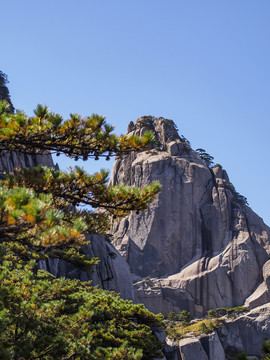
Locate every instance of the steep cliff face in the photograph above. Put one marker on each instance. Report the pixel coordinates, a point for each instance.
(198, 246)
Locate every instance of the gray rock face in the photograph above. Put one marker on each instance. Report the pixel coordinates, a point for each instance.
(262, 293)
(206, 347)
(191, 349)
(112, 272)
(11, 160)
(247, 332)
(198, 246)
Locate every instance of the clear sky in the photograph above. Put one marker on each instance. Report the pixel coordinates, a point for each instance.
(203, 63)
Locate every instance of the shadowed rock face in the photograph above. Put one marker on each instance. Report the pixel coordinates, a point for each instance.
(112, 272)
(200, 246)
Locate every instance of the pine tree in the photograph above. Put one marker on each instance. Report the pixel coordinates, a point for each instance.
(207, 159)
(47, 318)
(4, 92)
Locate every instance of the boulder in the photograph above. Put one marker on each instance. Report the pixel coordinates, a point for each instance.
(191, 349)
(204, 347)
(262, 293)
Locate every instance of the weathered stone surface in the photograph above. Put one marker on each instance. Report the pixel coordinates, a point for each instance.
(11, 160)
(247, 332)
(171, 349)
(191, 349)
(112, 272)
(213, 347)
(204, 347)
(262, 294)
(198, 246)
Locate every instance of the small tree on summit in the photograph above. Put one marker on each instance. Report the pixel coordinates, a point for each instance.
(4, 92)
(208, 159)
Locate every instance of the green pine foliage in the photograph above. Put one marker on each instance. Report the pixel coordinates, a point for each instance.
(184, 317)
(77, 137)
(233, 312)
(266, 349)
(242, 200)
(42, 317)
(80, 188)
(186, 143)
(207, 159)
(4, 92)
(48, 318)
(242, 356)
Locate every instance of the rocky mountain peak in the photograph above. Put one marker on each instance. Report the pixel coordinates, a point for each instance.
(165, 131)
(199, 244)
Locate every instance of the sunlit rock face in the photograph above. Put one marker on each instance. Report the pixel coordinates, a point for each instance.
(198, 246)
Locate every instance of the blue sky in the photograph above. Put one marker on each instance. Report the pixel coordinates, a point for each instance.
(204, 64)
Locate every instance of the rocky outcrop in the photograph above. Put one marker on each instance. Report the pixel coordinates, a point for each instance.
(262, 293)
(246, 332)
(191, 349)
(206, 347)
(199, 246)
